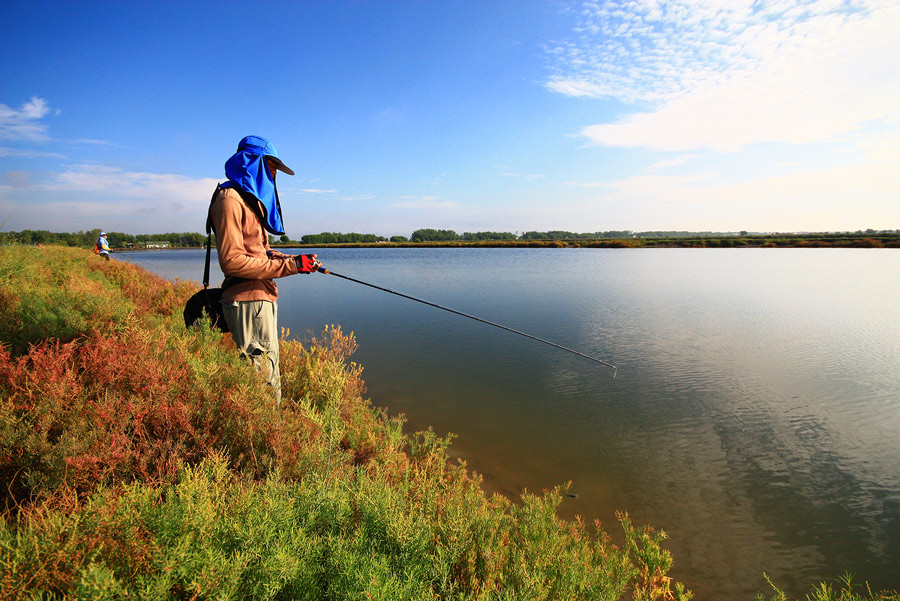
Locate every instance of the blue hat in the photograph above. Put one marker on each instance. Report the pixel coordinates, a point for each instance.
(247, 171)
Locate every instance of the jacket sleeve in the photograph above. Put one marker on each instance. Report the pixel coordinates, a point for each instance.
(240, 254)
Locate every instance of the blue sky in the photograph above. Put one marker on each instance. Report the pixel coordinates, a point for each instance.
(484, 115)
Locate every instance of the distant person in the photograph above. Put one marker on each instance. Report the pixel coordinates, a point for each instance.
(242, 211)
(103, 246)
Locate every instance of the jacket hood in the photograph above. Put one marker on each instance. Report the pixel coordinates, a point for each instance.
(247, 171)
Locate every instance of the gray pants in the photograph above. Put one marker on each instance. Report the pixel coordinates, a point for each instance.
(254, 328)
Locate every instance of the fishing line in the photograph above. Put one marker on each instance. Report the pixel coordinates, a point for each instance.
(476, 318)
(126, 256)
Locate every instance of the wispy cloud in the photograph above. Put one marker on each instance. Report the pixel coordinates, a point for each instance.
(674, 161)
(506, 171)
(317, 191)
(725, 75)
(24, 123)
(29, 154)
(424, 202)
(118, 186)
(652, 185)
(129, 184)
(130, 200)
(17, 179)
(811, 199)
(92, 142)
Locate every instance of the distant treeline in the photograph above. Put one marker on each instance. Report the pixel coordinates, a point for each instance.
(116, 239)
(622, 239)
(435, 237)
(339, 238)
(426, 235)
(432, 235)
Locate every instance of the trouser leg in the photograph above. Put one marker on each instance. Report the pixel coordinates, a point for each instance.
(254, 328)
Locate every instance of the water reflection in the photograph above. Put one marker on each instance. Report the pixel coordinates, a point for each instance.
(755, 414)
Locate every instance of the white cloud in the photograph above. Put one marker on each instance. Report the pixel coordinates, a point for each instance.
(124, 184)
(36, 108)
(17, 179)
(807, 200)
(883, 148)
(29, 154)
(24, 123)
(506, 171)
(577, 88)
(725, 75)
(92, 142)
(673, 162)
(646, 186)
(123, 200)
(425, 202)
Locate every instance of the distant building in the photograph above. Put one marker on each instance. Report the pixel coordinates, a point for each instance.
(157, 244)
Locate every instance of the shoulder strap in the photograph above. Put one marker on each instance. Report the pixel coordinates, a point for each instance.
(209, 237)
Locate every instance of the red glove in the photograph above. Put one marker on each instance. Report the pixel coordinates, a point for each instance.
(307, 263)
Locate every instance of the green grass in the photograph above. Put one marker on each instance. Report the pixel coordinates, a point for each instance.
(144, 460)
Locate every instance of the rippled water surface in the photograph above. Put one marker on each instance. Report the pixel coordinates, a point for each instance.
(755, 416)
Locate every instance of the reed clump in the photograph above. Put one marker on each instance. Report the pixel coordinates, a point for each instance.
(141, 459)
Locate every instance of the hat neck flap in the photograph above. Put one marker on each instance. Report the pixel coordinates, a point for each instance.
(246, 170)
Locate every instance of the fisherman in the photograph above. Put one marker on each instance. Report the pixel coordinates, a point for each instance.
(242, 211)
(103, 246)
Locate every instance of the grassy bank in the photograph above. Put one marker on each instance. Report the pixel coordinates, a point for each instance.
(143, 460)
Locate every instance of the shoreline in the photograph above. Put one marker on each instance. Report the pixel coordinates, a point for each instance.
(888, 241)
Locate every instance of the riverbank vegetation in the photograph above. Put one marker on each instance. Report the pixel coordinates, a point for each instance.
(620, 239)
(141, 459)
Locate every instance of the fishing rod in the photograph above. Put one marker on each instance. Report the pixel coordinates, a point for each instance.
(476, 318)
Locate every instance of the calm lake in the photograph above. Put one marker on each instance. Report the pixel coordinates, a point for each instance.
(755, 416)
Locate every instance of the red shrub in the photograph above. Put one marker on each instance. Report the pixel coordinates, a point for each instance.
(105, 409)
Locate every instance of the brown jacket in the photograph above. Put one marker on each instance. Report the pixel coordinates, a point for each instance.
(242, 244)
